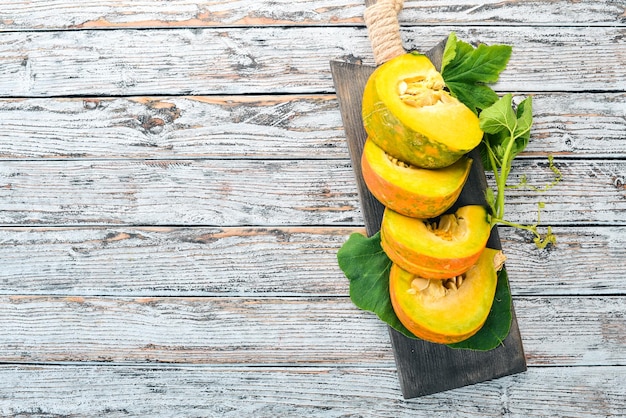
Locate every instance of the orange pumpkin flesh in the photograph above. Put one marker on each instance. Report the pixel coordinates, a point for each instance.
(443, 312)
(408, 190)
(436, 250)
(410, 115)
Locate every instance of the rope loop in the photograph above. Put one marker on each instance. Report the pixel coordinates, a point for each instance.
(381, 19)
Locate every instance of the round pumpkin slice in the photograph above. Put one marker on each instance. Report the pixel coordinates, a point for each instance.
(445, 247)
(409, 190)
(408, 112)
(445, 311)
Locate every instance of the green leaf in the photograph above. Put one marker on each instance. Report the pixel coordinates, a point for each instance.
(471, 69)
(524, 117)
(502, 125)
(478, 65)
(484, 155)
(499, 116)
(449, 52)
(490, 197)
(366, 265)
(474, 96)
(498, 323)
(496, 142)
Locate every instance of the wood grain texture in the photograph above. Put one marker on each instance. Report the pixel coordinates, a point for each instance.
(178, 192)
(274, 193)
(42, 14)
(173, 261)
(182, 121)
(257, 127)
(282, 60)
(110, 391)
(557, 331)
(290, 127)
(279, 262)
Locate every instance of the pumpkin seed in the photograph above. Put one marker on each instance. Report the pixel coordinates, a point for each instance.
(498, 260)
(419, 284)
(421, 91)
(450, 284)
(402, 88)
(397, 162)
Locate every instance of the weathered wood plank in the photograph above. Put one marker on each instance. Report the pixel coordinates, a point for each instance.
(589, 125)
(173, 127)
(596, 186)
(565, 124)
(282, 60)
(571, 331)
(587, 260)
(276, 193)
(268, 280)
(43, 14)
(178, 192)
(107, 391)
(150, 261)
(172, 261)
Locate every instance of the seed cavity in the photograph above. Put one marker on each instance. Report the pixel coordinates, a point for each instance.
(421, 91)
(446, 227)
(454, 283)
(397, 162)
(435, 289)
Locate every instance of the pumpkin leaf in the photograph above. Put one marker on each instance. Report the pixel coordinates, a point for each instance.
(507, 130)
(498, 323)
(499, 116)
(482, 64)
(524, 116)
(469, 71)
(474, 96)
(367, 267)
(449, 51)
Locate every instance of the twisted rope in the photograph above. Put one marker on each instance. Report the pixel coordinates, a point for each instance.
(381, 19)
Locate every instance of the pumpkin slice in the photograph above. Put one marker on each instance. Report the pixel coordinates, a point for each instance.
(445, 247)
(445, 311)
(408, 190)
(410, 115)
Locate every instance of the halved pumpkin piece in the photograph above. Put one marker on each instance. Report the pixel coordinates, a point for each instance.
(409, 190)
(445, 247)
(445, 311)
(408, 113)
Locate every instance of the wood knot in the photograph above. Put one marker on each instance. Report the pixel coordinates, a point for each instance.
(152, 125)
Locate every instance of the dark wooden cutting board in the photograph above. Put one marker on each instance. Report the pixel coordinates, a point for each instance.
(423, 367)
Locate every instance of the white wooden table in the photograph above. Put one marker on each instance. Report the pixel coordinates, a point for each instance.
(175, 184)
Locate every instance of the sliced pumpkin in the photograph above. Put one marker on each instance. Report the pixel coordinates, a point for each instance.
(445, 247)
(410, 115)
(445, 311)
(410, 190)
